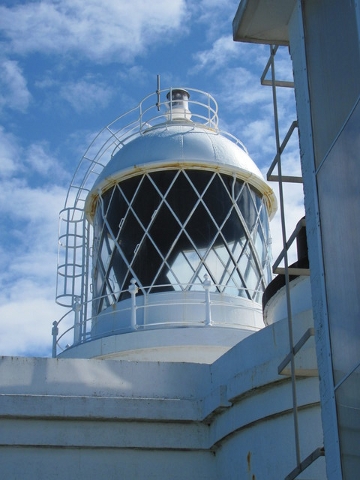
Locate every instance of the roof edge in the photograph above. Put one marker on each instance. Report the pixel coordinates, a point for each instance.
(254, 180)
(263, 21)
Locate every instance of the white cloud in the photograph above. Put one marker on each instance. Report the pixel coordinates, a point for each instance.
(26, 319)
(294, 211)
(116, 30)
(16, 162)
(14, 92)
(28, 252)
(8, 154)
(29, 203)
(259, 135)
(43, 163)
(86, 95)
(27, 277)
(241, 88)
(209, 11)
(223, 50)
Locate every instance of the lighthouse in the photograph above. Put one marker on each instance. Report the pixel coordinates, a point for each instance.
(166, 255)
(166, 366)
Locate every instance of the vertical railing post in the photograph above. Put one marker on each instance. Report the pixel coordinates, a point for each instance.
(206, 285)
(54, 332)
(77, 308)
(133, 290)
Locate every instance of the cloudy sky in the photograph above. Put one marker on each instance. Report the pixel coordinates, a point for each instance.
(68, 68)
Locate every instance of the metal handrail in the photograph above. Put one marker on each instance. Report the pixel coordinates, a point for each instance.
(84, 336)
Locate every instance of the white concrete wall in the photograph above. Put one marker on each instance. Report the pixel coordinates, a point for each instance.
(85, 419)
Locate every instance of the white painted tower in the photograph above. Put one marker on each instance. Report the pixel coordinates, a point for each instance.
(166, 237)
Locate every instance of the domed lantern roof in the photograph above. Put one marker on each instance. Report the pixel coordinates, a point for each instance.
(185, 145)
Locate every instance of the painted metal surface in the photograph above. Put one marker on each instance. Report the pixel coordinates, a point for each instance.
(176, 146)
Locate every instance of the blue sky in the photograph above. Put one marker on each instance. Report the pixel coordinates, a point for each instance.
(68, 68)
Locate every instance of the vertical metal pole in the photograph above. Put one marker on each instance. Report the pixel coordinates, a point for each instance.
(287, 280)
(85, 292)
(158, 92)
(55, 332)
(77, 308)
(206, 286)
(209, 111)
(171, 103)
(133, 289)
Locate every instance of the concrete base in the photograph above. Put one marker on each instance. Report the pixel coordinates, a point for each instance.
(186, 344)
(90, 418)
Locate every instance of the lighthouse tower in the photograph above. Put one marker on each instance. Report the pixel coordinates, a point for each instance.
(163, 368)
(164, 239)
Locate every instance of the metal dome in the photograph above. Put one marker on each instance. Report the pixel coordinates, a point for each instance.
(180, 144)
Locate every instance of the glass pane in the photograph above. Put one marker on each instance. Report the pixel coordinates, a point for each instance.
(130, 236)
(129, 187)
(162, 282)
(232, 289)
(238, 187)
(182, 270)
(236, 278)
(147, 263)
(264, 219)
(217, 200)
(119, 268)
(146, 202)
(113, 282)
(174, 281)
(229, 183)
(107, 299)
(181, 198)
(200, 179)
(249, 270)
(105, 251)
(214, 265)
(236, 248)
(106, 199)
(223, 253)
(193, 258)
(260, 244)
(164, 230)
(233, 230)
(116, 211)
(247, 207)
(98, 281)
(201, 228)
(163, 179)
(98, 219)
